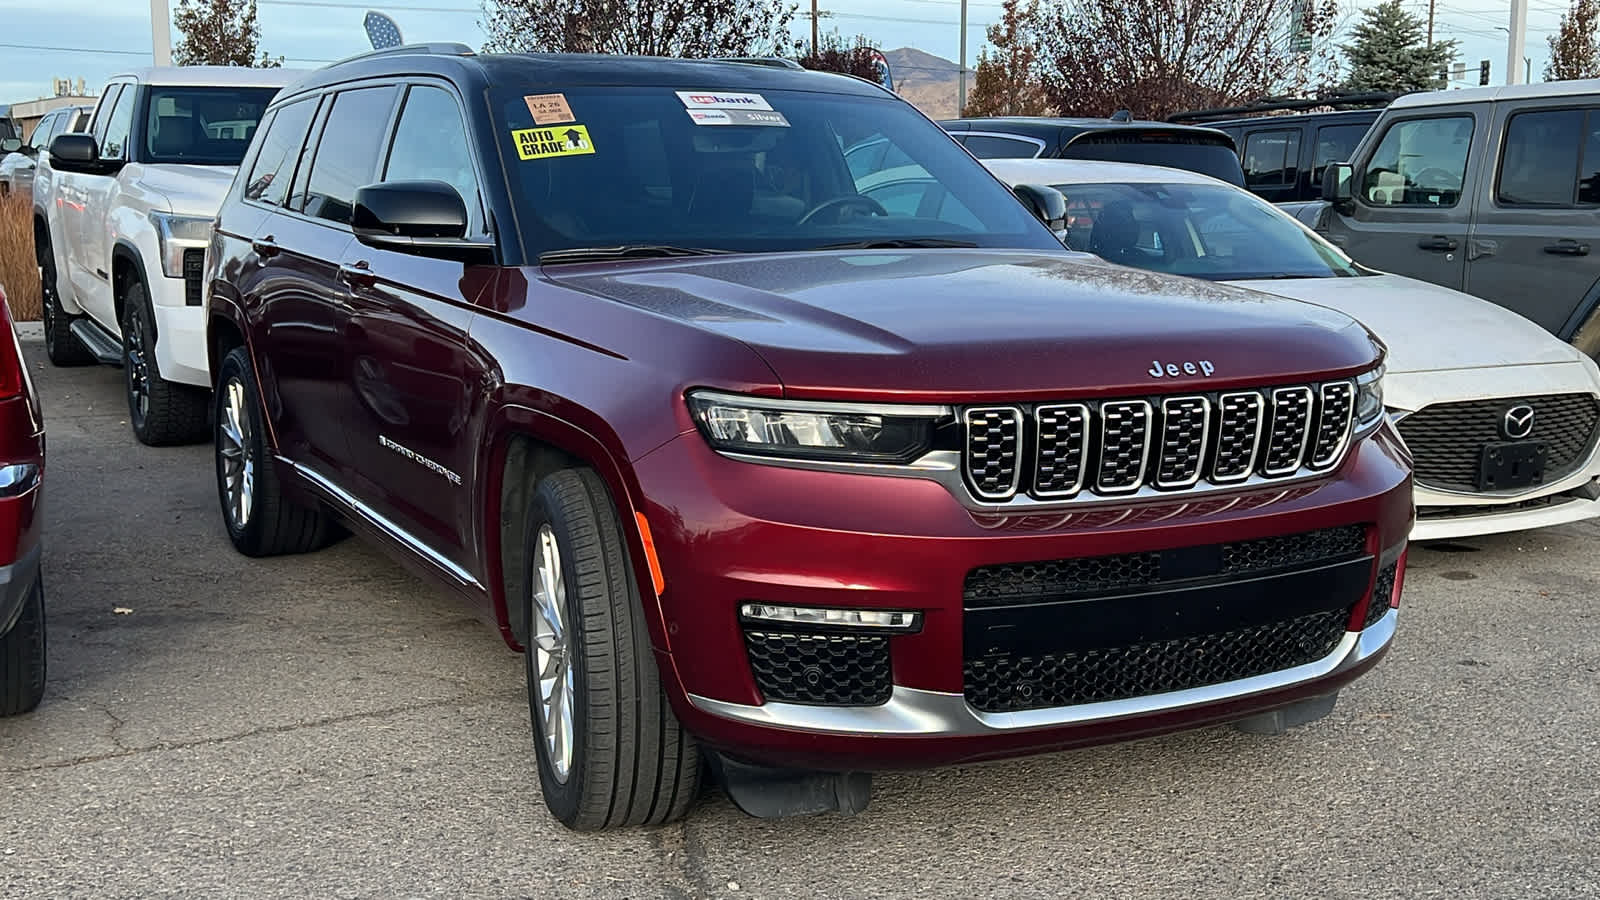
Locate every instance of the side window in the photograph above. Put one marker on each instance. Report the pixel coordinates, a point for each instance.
(1335, 144)
(280, 150)
(1589, 170)
(115, 143)
(1271, 158)
(102, 113)
(348, 152)
(1419, 163)
(430, 144)
(1539, 162)
(988, 146)
(45, 131)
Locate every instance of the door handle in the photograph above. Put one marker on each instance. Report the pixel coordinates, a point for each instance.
(357, 275)
(1438, 244)
(1567, 247)
(265, 247)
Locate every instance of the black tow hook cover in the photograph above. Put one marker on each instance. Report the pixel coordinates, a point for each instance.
(771, 793)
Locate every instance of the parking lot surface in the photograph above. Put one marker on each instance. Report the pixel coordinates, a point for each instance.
(330, 726)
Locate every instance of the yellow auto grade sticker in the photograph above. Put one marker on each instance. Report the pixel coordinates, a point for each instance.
(544, 143)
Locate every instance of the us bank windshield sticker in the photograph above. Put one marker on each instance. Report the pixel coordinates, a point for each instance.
(737, 117)
(543, 143)
(722, 100)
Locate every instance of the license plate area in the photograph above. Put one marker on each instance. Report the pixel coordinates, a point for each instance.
(1510, 465)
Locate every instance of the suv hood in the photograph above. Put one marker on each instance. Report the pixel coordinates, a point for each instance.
(1427, 327)
(953, 325)
(190, 190)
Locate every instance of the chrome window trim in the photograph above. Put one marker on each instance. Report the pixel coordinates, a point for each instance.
(1205, 438)
(1305, 433)
(916, 712)
(822, 406)
(1255, 443)
(1349, 424)
(1144, 456)
(1083, 450)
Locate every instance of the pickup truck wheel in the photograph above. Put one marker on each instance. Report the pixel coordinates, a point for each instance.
(22, 660)
(162, 412)
(611, 752)
(60, 344)
(261, 521)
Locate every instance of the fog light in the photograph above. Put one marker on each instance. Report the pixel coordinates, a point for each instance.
(884, 619)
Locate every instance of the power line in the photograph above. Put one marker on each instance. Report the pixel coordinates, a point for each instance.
(327, 4)
(74, 49)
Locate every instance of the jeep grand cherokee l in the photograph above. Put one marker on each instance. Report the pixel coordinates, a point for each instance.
(767, 477)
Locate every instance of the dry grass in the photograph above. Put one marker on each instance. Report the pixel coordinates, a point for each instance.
(19, 274)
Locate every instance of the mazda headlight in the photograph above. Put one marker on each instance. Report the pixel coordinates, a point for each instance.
(176, 234)
(1369, 399)
(845, 432)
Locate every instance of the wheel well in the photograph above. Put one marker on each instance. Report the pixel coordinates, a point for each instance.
(527, 461)
(124, 274)
(223, 336)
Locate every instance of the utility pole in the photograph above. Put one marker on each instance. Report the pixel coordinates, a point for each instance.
(961, 91)
(161, 32)
(1514, 42)
(814, 16)
(1430, 22)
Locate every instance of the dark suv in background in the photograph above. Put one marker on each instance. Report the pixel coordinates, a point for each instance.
(1203, 150)
(764, 473)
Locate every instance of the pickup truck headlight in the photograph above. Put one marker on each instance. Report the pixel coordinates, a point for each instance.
(844, 432)
(1369, 399)
(176, 234)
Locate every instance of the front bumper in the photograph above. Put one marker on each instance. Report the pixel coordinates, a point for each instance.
(181, 337)
(727, 532)
(16, 585)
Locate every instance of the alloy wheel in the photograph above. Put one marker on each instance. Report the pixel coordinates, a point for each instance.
(138, 363)
(551, 661)
(233, 444)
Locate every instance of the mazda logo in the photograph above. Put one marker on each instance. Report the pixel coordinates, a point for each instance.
(1518, 422)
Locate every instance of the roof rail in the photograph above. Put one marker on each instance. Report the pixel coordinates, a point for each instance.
(776, 62)
(1357, 100)
(437, 48)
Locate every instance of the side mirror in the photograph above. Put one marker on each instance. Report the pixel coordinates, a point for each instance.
(79, 153)
(1336, 184)
(10, 145)
(1047, 204)
(426, 218)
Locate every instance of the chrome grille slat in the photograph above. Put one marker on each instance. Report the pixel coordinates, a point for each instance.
(1185, 428)
(1335, 409)
(993, 445)
(1239, 420)
(1289, 432)
(1061, 449)
(1124, 446)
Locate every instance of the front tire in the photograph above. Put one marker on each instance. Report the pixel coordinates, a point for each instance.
(22, 657)
(162, 412)
(611, 753)
(261, 521)
(60, 344)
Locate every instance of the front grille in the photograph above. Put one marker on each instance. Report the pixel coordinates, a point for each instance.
(1446, 439)
(193, 271)
(1056, 579)
(1382, 595)
(820, 669)
(1121, 447)
(1006, 683)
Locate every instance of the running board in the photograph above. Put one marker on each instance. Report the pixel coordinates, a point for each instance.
(100, 343)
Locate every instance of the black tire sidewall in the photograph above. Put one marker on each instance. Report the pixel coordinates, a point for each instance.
(236, 367)
(564, 799)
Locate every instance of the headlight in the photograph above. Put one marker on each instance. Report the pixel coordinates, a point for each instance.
(176, 234)
(1369, 399)
(848, 432)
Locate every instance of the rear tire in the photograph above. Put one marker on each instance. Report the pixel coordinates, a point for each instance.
(261, 521)
(162, 412)
(60, 344)
(622, 758)
(22, 657)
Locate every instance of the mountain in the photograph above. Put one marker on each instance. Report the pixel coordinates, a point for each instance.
(928, 82)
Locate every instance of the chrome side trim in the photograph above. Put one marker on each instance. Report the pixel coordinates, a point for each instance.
(382, 523)
(911, 711)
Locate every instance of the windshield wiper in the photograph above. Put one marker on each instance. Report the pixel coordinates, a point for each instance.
(627, 251)
(897, 244)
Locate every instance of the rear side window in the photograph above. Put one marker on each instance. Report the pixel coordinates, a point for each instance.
(280, 150)
(1419, 163)
(1539, 165)
(1271, 158)
(988, 146)
(1335, 144)
(348, 152)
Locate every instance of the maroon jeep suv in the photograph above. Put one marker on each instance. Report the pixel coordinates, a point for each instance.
(774, 470)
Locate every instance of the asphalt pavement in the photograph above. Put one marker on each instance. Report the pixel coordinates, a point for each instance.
(329, 726)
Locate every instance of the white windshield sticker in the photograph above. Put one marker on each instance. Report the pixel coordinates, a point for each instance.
(721, 100)
(737, 117)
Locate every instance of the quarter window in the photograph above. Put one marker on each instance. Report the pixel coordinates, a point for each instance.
(1419, 163)
(430, 144)
(280, 150)
(348, 152)
(988, 146)
(1539, 165)
(102, 114)
(1271, 158)
(115, 143)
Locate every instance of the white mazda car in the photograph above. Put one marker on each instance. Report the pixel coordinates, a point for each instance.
(1500, 415)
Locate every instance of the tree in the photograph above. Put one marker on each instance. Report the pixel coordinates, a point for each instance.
(1158, 57)
(1007, 83)
(1388, 51)
(834, 54)
(689, 28)
(219, 33)
(1574, 51)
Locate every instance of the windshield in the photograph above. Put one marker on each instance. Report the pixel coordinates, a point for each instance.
(1201, 230)
(209, 126)
(774, 171)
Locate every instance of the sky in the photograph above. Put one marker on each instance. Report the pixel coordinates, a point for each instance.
(93, 39)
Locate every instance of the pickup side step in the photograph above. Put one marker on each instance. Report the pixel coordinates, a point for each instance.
(100, 343)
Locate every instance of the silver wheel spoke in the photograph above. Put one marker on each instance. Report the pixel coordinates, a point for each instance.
(550, 662)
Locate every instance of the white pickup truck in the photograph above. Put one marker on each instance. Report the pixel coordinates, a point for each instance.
(122, 217)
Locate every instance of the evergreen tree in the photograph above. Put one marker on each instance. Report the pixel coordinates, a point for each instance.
(1574, 51)
(1390, 53)
(219, 33)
